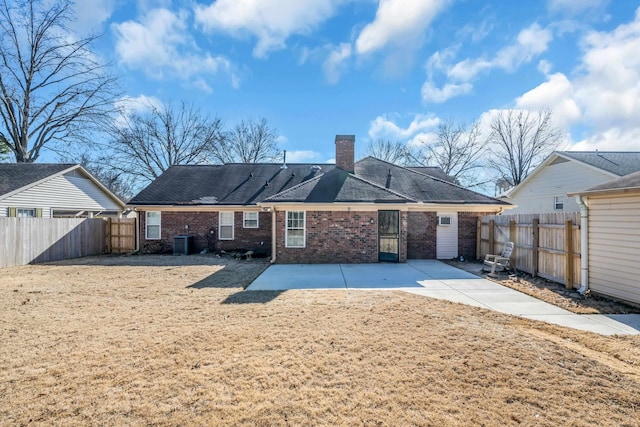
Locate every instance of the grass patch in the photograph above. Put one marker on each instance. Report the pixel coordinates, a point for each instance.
(174, 341)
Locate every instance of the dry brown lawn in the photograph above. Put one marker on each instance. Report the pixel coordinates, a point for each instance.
(175, 341)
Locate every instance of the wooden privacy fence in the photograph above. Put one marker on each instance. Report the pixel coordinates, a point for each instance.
(35, 240)
(120, 235)
(546, 245)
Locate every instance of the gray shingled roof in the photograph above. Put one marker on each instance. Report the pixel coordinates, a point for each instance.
(245, 184)
(617, 162)
(230, 184)
(631, 180)
(17, 175)
(433, 171)
(338, 186)
(416, 185)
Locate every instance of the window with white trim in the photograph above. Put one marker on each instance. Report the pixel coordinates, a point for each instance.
(250, 220)
(26, 213)
(152, 225)
(295, 232)
(225, 226)
(558, 203)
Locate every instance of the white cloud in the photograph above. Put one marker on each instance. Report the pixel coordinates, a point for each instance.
(303, 156)
(91, 14)
(573, 7)
(397, 22)
(430, 93)
(271, 21)
(530, 42)
(129, 105)
(159, 44)
(614, 139)
(556, 94)
(334, 64)
(385, 128)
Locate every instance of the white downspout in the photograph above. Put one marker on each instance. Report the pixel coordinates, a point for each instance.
(273, 236)
(584, 244)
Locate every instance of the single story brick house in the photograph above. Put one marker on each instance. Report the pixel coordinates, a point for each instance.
(350, 212)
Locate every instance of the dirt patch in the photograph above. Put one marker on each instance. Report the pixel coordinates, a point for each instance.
(553, 293)
(167, 340)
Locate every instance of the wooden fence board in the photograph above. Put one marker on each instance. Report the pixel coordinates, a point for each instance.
(35, 240)
(540, 240)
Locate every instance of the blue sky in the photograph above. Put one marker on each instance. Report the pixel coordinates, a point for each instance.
(388, 69)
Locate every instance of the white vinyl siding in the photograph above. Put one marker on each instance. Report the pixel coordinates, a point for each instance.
(153, 225)
(225, 226)
(61, 192)
(538, 195)
(250, 220)
(614, 246)
(447, 236)
(295, 232)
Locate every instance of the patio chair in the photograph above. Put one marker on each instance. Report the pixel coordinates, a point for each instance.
(499, 262)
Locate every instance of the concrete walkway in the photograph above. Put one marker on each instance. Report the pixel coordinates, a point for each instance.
(435, 279)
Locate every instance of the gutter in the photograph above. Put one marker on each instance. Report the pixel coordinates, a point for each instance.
(273, 236)
(584, 244)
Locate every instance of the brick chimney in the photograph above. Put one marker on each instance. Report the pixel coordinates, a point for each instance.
(344, 152)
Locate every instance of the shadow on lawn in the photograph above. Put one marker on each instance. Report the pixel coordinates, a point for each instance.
(252, 297)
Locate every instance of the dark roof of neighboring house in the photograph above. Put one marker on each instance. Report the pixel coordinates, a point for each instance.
(229, 184)
(433, 171)
(417, 185)
(630, 181)
(245, 184)
(338, 186)
(617, 162)
(17, 175)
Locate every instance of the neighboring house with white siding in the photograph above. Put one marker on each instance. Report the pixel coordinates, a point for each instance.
(54, 190)
(613, 242)
(545, 189)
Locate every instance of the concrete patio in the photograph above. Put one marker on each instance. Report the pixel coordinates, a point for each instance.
(435, 279)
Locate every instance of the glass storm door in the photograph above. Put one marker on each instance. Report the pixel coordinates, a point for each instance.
(388, 236)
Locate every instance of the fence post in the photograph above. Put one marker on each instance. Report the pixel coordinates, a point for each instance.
(107, 234)
(492, 225)
(479, 237)
(534, 247)
(568, 249)
(512, 238)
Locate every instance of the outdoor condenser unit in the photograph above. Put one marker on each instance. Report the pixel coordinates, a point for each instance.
(183, 245)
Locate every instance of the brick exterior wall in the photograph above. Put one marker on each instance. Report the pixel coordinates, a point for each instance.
(337, 237)
(200, 224)
(468, 233)
(421, 235)
(331, 237)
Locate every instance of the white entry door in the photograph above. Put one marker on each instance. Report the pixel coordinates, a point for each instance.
(447, 235)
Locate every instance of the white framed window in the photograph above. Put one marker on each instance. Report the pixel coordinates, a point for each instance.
(250, 220)
(152, 225)
(225, 225)
(295, 232)
(25, 213)
(558, 203)
(444, 220)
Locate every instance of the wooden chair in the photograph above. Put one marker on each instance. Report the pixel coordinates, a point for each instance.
(501, 262)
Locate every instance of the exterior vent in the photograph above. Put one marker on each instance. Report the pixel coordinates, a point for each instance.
(444, 220)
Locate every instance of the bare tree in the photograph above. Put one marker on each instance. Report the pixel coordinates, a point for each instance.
(457, 150)
(521, 140)
(53, 88)
(391, 151)
(248, 142)
(143, 145)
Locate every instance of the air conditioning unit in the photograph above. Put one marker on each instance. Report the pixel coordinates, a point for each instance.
(183, 245)
(444, 220)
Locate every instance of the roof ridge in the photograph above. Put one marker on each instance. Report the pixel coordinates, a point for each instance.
(294, 187)
(395, 193)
